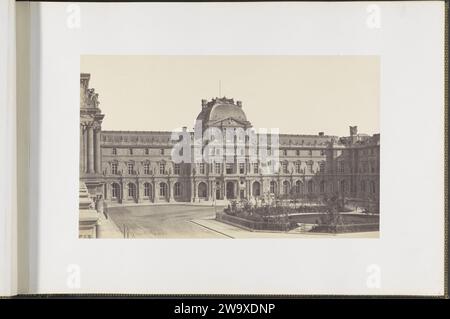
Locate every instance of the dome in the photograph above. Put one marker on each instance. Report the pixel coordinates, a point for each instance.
(224, 111)
(220, 109)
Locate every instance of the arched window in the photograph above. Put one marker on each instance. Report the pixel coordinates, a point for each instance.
(115, 190)
(177, 189)
(273, 187)
(363, 186)
(131, 190)
(256, 189)
(322, 186)
(162, 189)
(310, 186)
(202, 192)
(286, 187)
(147, 190)
(298, 187)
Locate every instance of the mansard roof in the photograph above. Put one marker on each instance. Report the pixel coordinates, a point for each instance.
(222, 112)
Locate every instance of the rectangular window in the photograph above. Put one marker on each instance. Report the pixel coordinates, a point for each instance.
(177, 169)
(297, 167)
(114, 151)
(322, 152)
(202, 168)
(130, 151)
(229, 168)
(241, 168)
(162, 168)
(255, 168)
(297, 152)
(217, 167)
(309, 165)
(147, 151)
(284, 166)
(310, 152)
(130, 168)
(161, 151)
(114, 169)
(322, 167)
(284, 152)
(341, 167)
(147, 168)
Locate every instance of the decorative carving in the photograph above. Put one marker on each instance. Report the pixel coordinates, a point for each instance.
(92, 98)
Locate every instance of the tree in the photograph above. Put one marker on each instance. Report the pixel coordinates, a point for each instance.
(332, 217)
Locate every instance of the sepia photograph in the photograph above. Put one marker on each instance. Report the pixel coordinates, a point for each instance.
(229, 147)
(261, 150)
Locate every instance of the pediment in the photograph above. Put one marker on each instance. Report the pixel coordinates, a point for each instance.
(229, 122)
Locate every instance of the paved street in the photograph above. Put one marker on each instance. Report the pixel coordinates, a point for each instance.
(186, 221)
(164, 221)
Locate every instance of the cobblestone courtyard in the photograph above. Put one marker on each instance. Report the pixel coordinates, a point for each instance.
(189, 221)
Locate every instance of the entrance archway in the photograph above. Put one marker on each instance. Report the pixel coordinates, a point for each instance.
(256, 189)
(202, 191)
(230, 190)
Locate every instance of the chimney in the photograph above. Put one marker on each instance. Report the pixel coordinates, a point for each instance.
(239, 103)
(204, 103)
(184, 128)
(321, 134)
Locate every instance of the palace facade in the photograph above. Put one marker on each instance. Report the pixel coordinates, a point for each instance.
(127, 167)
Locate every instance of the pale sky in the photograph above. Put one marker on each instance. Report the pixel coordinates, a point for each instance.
(297, 94)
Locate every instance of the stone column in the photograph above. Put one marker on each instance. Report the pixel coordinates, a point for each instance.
(210, 191)
(171, 190)
(81, 148)
(90, 150)
(224, 190)
(238, 190)
(85, 148)
(97, 156)
(138, 191)
(195, 191)
(154, 192)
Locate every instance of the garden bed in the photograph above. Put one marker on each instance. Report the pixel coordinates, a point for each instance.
(352, 228)
(348, 219)
(255, 225)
